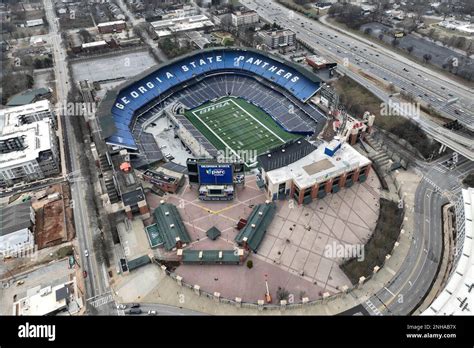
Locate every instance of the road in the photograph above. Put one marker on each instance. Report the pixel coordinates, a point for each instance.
(162, 310)
(148, 40)
(359, 59)
(409, 285)
(96, 281)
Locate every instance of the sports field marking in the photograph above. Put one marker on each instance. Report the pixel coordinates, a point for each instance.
(241, 108)
(216, 135)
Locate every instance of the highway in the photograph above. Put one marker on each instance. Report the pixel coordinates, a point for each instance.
(96, 282)
(409, 285)
(376, 67)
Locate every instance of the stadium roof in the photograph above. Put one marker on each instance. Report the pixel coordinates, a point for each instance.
(170, 226)
(256, 227)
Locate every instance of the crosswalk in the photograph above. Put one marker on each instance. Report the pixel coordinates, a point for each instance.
(101, 301)
(372, 307)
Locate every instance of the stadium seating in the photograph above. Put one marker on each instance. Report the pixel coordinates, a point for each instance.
(215, 73)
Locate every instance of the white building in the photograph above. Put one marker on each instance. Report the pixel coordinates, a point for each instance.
(457, 298)
(50, 300)
(34, 22)
(16, 229)
(29, 113)
(240, 18)
(167, 27)
(304, 172)
(28, 152)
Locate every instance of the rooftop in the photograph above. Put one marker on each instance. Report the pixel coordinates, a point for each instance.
(27, 97)
(37, 138)
(317, 167)
(211, 256)
(170, 225)
(256, 227)
(12, 115)
(15, 217)
(285, 154)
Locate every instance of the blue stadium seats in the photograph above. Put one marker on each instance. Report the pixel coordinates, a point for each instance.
(231, 61)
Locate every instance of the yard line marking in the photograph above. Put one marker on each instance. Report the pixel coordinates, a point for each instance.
(241, 108)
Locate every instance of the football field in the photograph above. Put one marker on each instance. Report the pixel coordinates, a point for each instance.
(239, 126)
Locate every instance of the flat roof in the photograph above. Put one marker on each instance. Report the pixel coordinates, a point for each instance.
(12, 114)
(317, 167)
(15, 217)
(46, 300)
(105, 24)
(37, 138)
(94, 44)
(27, 97)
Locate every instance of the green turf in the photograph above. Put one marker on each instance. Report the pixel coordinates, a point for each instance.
(238, 125)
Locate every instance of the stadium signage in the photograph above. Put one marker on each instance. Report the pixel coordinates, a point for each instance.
(239, 61)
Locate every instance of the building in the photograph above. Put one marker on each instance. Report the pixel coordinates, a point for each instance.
(95, 45)
(304, 172)
(278, 38)
(244, 18)
(170, 228)
(28, 152)
(50, 300)
(164, 179)
(34, 23)
(30, 113)
(16, 229)
(111, 27)
(29, 96)
(457, 297)
(316, 62)
(167, 27)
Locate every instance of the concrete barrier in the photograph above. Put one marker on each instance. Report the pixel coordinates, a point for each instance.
(238, 302)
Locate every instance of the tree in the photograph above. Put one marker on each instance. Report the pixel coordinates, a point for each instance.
(427, 57)
(249, 264)
(282, 294)
(368, 30)
(381, 36)
(410, 49)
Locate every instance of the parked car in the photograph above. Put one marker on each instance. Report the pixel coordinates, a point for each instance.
(135, 305)
(86, 253)
(152, 313)
(135, 311)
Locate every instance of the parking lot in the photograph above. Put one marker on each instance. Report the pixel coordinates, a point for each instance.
(112, 67)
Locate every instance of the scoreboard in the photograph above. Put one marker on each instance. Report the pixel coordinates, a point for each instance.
(215, 174)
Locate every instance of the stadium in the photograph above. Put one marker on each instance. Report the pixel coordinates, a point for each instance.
(219, 97)
(250, 180)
